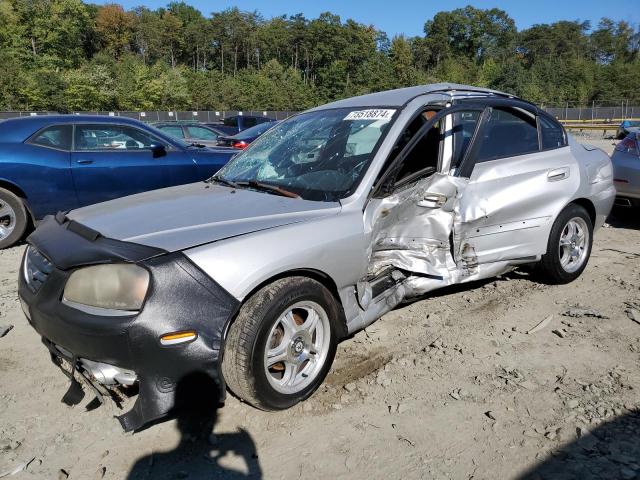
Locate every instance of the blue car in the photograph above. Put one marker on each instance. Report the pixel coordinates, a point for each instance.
(61, 162)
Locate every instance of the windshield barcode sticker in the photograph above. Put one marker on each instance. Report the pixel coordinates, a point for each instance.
(373, 114)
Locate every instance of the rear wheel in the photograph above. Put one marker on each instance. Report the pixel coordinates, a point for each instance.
(13, 218)
(282, 344)
(569, 246)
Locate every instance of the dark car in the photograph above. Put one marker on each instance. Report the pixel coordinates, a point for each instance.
(626, 127)
(626, 171)
(191, 132)
(243, 139)
(238, 123)
(60, 162)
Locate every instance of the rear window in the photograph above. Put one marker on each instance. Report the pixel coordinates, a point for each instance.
(58, 137)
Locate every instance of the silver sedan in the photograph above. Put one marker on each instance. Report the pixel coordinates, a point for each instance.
(325, 223)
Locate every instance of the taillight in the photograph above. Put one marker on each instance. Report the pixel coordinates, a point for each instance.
(627, 145)
(241, 144)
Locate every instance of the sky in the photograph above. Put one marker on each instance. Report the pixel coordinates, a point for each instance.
(408, 16)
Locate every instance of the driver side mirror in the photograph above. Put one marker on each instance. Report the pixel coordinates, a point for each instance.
(158, 150)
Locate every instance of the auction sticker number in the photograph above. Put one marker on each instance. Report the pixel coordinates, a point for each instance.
(372, 114)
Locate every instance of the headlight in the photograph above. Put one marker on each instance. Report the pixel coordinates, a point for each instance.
(120, 287)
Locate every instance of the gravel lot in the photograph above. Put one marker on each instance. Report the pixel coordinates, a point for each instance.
(452, 386)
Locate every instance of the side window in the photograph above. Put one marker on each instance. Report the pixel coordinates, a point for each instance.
(173, 130)
(231, 122)
(464, 126)
(551, 134)
(423, 157)
(112, 137)
(425, 154)
(249, 122)
(201, 133)
(58, 137)
(509, 132)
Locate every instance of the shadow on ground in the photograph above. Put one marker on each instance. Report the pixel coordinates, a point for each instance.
(628, 218)
(199, 453)
(611, 451)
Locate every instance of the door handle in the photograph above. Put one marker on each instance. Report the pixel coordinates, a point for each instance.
(433, 200)
(558, 174)
(84, 162)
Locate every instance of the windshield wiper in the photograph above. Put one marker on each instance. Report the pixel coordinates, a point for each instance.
(223, 181)
(269, 188)
(197, 145)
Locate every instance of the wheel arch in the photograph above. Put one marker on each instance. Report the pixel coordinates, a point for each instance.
(588, 206)
(311, 273)
(13, 188)
(19, 192)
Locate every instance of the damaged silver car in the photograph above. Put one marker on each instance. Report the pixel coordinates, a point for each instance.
(325, 223)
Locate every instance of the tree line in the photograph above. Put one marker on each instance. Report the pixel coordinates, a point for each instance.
(67, 55)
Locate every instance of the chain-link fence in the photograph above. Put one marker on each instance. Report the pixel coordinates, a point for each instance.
(593, 114)
(202, 116)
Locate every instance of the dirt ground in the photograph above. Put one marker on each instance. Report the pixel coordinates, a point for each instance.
(451, 386)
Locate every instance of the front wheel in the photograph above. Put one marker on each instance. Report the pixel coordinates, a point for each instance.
(13, 218)
(569, 246)
(282, 344)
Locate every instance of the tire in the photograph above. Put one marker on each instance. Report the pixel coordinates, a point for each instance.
(13, 218)
(563, 264)
(264, 325)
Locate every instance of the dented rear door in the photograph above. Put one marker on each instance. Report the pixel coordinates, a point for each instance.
(513, 194)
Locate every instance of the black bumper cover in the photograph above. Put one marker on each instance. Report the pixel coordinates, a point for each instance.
(180, 297)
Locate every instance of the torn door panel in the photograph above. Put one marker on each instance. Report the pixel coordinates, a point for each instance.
(421, 233)
(413, 228)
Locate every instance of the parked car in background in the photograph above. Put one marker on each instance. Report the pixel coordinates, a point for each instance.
(333, 218)
(60, 162)
(243, 139)
(238, 123)
(191, 132)
(626, 171)
(626, 127)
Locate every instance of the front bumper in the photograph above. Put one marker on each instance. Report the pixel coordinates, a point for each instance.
(181, 297)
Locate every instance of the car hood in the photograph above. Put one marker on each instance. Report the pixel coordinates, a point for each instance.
(181, 217)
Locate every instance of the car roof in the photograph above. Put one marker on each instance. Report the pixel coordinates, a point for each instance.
(21, 128)
(401, 96)
(71, 118)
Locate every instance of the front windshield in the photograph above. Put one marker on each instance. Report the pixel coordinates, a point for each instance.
(318, 155)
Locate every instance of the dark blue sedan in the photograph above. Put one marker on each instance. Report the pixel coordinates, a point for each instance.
(61, 162)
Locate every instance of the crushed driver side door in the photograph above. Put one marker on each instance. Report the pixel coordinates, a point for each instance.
(412, 225)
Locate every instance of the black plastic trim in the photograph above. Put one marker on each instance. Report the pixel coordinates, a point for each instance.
(180, 297)
(68, 244)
